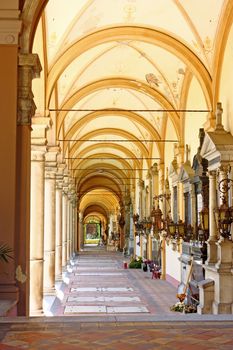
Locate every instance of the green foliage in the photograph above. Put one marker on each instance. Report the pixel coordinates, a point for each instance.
(5, 252)
(92, 241)
(136, 263)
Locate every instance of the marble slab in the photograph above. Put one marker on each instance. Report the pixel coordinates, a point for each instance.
(98, 274)
(85, 309)
(103, 299)
(102, 289)
(127, 309)
(103, 309)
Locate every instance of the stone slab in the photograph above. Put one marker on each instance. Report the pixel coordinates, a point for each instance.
(103, 299)
(102, 289)
(98, 274)
(85, 309)
(127, 309)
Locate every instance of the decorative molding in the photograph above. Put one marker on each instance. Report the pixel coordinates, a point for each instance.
(29, 67)
(10, 27)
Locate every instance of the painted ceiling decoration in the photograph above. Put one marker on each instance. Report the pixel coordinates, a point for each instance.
(119, 77)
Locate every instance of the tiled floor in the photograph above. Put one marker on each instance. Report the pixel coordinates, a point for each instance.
(98, 284)
(134, 314)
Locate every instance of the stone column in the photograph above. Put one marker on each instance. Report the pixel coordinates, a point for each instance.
(38, 149)
(49, 219)
(212, 248)
(155, 179)
(75, 226)
(193, 206)
(15, 166)
(64, 226)
(74, 219)
(163, 257)
(68, 230)
(37, 232)
(28, 68)
(80, 230)
(140, 190)
(58, 251)
(161, 185)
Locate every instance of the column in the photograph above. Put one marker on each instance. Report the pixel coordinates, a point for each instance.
(140, 188)
(155, 179)
(75, 225)
(10, 193)
(38, 149)
(74, 240)
(37, 232)
(80, 230)
(161, 185)
(212, 248)
(28, 68)
(163, 257)
(49, 219)
(64, 226)
(68, 229)
(58, 250)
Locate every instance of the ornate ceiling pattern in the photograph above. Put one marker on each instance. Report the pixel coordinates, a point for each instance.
(118, 76)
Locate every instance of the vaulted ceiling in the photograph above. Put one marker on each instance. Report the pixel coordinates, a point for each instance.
(118, 76)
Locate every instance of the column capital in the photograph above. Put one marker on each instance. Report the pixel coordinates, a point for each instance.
(30, 61)
(10, 26)
(141, 183)
(29, 67)
(39, 128)
(38, 154)
(224, 168)
(154, 169)
(51, 158)
(212, 173)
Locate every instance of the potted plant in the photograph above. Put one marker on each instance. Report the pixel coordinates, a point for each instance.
(5, 251)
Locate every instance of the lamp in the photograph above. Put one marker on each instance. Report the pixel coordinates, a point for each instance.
(176, 230)
(138, 224)
(224, 214)
(147, 224)
(204, 222)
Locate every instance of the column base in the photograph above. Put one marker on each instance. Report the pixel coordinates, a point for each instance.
(36, 313)
(222, 308)
(50, 291)
(212, 252)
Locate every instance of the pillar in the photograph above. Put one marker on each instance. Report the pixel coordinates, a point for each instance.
(64, 226)
(58, 250)
(68, 227)
(49, 219)
(211, 243)
(140, 190)
(80, 230)
(9, 32)
(75, 225)
(28, 68)
(37, 232)
(155, 179)
(163, 257)
(162, 185)
(38, 149)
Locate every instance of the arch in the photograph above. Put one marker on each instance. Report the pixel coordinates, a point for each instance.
(223, 31)
(117, 132)
(82, 162)
(116, 82)
(30, 16)
(144, 34)
(123, 149)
